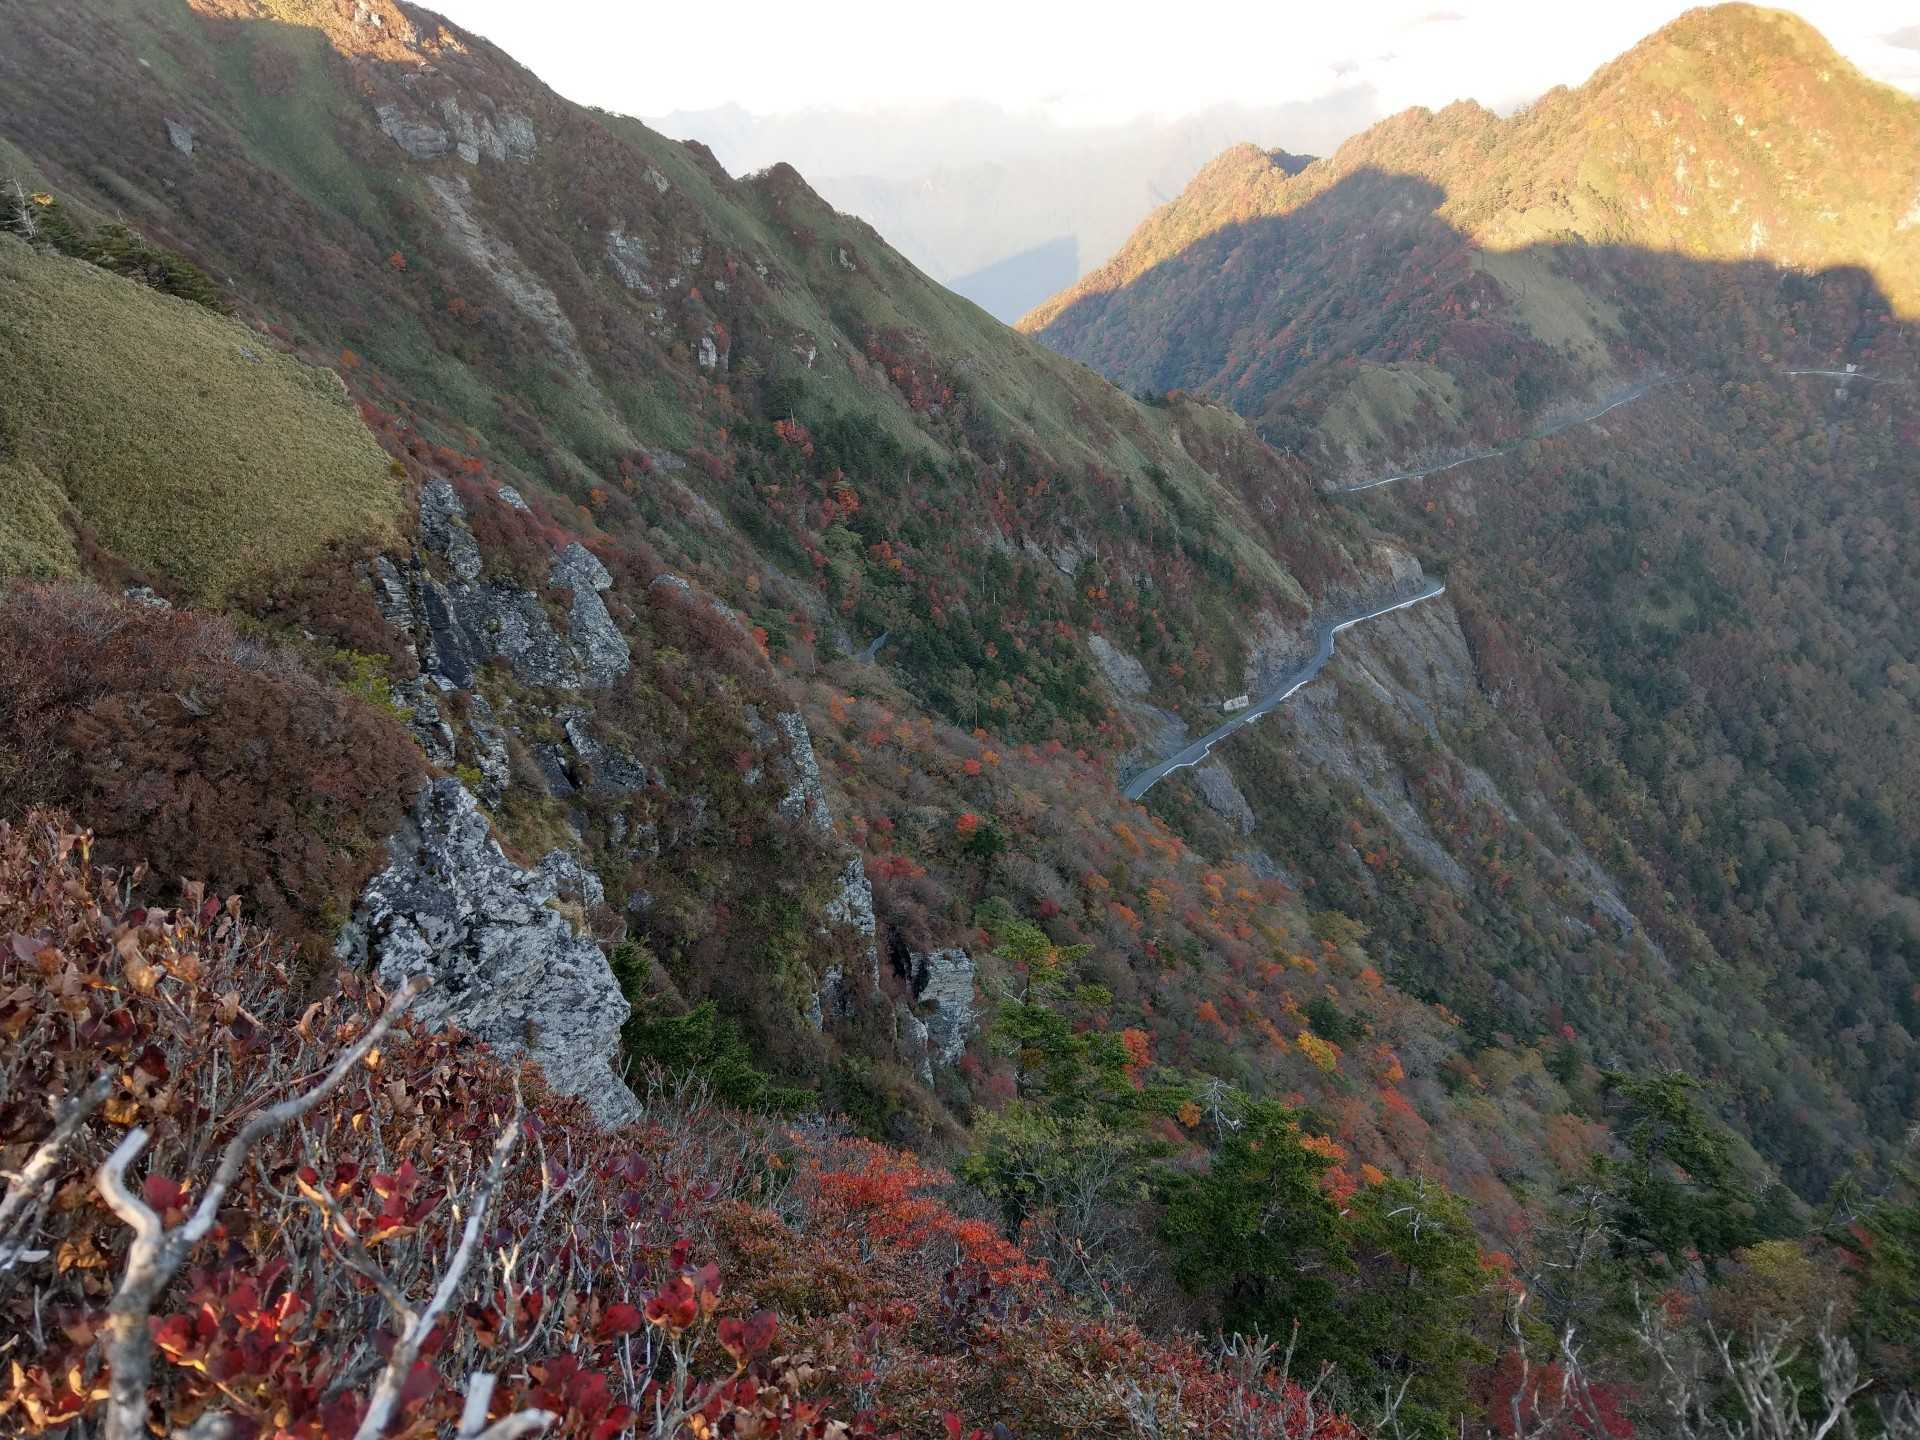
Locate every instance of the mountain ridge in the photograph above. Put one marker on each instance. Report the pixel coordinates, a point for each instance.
(1601, 165)
(764, 635)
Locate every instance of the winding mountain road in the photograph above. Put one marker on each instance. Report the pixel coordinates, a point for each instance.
(1554, 427)
(1199, 750)
(1852, 375)
(1584, 417)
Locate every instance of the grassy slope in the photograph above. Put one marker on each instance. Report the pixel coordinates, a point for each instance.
(250, 467)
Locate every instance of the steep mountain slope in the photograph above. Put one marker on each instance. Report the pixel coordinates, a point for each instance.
(745, 676)
(1689, 614)
(193, 493)
(774, 585)
(1002, 207)
(1444, 276)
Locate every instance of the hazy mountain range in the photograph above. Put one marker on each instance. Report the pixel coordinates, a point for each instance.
(1007, 208)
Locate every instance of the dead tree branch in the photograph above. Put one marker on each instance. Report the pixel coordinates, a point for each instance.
(26, 1197)
(157, 1253)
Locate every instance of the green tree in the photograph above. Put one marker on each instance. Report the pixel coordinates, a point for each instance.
(1071, 1188)
(1889, 1298)
(1257, 1231)
(1058, 1061)
(1677, 1194)
(1418, 1299)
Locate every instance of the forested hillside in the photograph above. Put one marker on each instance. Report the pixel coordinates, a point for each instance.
(1687, 616)
(710, 655)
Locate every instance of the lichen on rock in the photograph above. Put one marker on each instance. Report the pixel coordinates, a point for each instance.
(603, 651)
(421, 139)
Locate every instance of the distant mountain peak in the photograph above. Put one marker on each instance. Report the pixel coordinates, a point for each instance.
(1734, 133)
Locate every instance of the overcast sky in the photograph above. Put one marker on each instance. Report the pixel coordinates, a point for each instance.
(1100, 63)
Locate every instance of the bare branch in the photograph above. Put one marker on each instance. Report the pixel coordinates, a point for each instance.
(157, 1253)
(23, 220)
(414, 1331)
(26, 1189)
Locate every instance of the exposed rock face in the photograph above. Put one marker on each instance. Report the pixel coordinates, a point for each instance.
(444, 530)
(468, 622)
(1329, 741)
(628, 257)
(475, 133)
(571, 880)
(943, 980)
(392, 597)
(180, 135)
(1065, 557)
(424, 719)
(394, 600)
(602, 649)
(806, 798)
(831, 998)
(421, 139)
(608, 770)
(490, 750)
(916, 1041)
(1126, 674)
(528, 292)
(506, 968)
(852, 909)
(1216, 786)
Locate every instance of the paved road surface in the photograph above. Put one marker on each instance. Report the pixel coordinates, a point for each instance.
(1199, 750)
(1566, 422)
(1852, 375)
(1582, 418)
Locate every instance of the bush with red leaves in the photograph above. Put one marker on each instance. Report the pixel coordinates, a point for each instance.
(216, 756)
(698, 1274)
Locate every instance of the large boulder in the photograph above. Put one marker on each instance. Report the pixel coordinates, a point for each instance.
(506, 967)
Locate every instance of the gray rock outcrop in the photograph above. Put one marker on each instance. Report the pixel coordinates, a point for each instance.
(1123, 672)
(806, 797)
(462, 624)
(943, 981)
(475, 133)
(505, 966)
(490, 750)
(627, 254)
(421, 139)
(916, 1041)
(180, 136)
(444, 529)
(603, 651)
(609, 770)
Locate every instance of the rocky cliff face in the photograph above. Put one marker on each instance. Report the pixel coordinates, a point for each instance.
(506, 967)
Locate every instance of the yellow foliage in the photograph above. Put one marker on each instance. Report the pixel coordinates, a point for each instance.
(1323, 1053)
